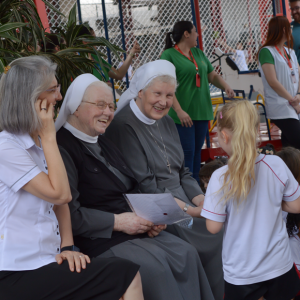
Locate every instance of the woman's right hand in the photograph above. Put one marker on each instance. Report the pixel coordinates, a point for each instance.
(131, 224)
(76, 260)
(184, 118)
(45, 113)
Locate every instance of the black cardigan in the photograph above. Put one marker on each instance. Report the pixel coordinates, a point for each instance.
(98, 187)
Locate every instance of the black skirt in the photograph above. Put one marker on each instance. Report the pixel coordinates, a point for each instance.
(103, 279)
(284, 287)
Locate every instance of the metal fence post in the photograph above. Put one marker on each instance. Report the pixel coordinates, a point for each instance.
(194, 19)
(198, 22)
(79, 12)
(123, 37)
(107, 37)
(283, 8)
(274, 8)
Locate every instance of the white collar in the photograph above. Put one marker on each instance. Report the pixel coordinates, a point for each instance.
(81, 135)
(136, 110)
(25, 139)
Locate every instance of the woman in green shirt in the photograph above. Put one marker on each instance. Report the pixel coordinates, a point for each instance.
(192, 109)
(280, 72)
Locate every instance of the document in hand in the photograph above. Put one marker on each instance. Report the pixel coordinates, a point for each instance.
(159, 209)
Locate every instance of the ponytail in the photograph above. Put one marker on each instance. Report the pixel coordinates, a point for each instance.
(169, 42)
(177, 33)
(241, 118)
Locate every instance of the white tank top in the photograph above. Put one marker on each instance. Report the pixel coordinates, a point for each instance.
(276, 106)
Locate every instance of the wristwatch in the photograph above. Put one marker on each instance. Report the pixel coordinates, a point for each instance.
(70, 248)
(186, 207)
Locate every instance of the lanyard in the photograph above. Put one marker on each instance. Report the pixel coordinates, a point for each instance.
(287, 57)
(194, 61)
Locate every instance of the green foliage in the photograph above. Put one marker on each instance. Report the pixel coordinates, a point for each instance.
(21, 31)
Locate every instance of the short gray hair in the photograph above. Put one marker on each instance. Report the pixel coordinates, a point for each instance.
(20, 88)
(162, 78)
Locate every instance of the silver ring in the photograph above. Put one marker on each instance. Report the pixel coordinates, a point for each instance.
(43, 108)
(80, 255)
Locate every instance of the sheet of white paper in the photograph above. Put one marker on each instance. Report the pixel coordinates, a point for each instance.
(157, 208)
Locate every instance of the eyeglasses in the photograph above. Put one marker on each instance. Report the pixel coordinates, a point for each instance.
(55, 89)
(102, 105)
(296, 8)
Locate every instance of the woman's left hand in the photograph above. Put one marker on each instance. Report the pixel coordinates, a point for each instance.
(229, 91)
(156, 229)
(75, 259)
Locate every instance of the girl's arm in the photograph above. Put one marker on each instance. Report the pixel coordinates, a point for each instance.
(213, 226)
(291, 206)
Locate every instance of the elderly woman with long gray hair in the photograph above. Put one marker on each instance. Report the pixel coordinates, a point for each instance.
(38, 259)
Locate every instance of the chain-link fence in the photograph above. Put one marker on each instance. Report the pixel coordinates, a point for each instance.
(230, 25)
(64, 6)
(235, 26)
(145, 21)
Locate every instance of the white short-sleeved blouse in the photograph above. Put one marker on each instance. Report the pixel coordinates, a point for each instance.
(29, 230)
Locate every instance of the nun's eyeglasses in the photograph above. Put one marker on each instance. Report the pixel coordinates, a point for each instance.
(102, 105)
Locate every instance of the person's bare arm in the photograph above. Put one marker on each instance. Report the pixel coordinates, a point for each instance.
(184, 117)
(198, 200)
(291, 206)
(220, 83)
(118, 74)
(213, 226)
(53, 187)
(194, 212)
(226, 47)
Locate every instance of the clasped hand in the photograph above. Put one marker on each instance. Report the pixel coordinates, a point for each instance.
(295, 100)
(131, 224)
(75, 259)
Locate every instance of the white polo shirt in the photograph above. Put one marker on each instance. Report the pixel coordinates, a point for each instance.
(29, 230)
(295, 248)
(255, 243)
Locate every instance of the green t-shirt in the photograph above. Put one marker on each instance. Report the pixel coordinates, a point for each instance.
(194, 100)
(107, 67)
(265, 57)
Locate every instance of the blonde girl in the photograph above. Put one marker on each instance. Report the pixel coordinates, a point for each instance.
(247, 197)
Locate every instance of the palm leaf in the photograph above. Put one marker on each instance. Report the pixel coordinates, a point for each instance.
(10, 26)
(72, 16)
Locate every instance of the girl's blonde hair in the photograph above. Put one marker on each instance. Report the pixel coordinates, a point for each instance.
(242, 119)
